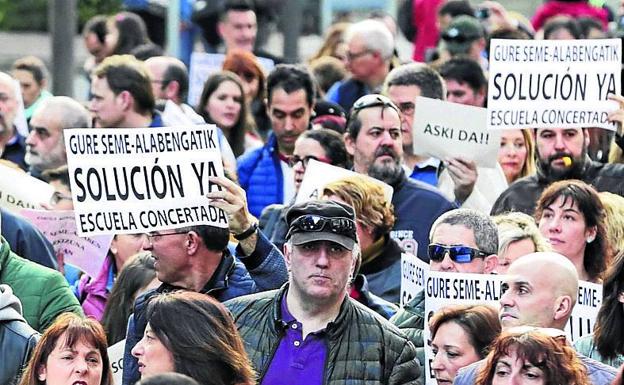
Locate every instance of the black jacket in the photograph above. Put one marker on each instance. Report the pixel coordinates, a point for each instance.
(523, 194)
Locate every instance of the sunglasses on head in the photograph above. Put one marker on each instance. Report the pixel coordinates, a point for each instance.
(373, 100)
(310, 222)
(459, 254)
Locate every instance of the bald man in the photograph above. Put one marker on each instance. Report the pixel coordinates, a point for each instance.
(540, 290)
(45, 144)
(12, 146)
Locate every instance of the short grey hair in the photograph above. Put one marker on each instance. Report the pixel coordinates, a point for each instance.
(72, 114)
(483, 227)
(375, 35)
(421, 75)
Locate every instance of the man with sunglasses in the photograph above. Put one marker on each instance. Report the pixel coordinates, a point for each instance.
(462, 241)
(374, 139)
(370, 48)
(310, 331)
(540, 290)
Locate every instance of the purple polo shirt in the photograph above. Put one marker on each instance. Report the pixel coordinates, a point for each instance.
(297, 361)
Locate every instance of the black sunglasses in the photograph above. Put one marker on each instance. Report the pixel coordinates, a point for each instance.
(310, 222)
(459, 254)
(373, 100)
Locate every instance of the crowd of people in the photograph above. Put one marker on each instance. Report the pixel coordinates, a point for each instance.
(308, 290)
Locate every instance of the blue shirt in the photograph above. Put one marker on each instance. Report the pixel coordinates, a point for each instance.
(297, 360)
(427, 172)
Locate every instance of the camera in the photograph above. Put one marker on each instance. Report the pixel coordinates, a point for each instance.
(482, 13)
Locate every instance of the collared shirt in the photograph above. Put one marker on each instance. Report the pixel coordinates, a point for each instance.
(427, 171)
(297, 360)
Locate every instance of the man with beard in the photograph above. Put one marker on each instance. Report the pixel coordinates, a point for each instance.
(561, 154)
(374, 139)
(12, 146)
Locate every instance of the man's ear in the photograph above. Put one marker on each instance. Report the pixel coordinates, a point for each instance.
(126, 100)
(287, 255)
(490, 264)
(173, 90)
(349, 143)
(192, 242)
(562, 307)
(220, 27)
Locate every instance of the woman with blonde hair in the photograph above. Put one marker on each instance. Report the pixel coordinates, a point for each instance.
(516, 154)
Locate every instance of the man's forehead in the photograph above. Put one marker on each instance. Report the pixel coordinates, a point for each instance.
(448, 234)
(374, 116)
(7, 87)
(404, 92)
(293, 100)
(235, 16)
(559, 130)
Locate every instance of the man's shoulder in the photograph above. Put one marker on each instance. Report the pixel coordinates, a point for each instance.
(468, 374)
(256, 303)
(598, 373)
(254, 156)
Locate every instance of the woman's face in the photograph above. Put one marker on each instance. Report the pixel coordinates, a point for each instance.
(251, 84)
(66, 365)
(514, 251)
(563, 225)
(512, 153)
(124, 246)
(510, 369)
(305, 148)
(224, 105)
(153, 356)
(452, 351)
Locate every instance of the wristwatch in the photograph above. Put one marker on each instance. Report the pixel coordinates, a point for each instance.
(247, 233)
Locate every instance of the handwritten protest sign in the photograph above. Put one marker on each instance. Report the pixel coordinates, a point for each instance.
(128, 181)
(413, 271)
(444, 129)
(319, 174)
(115, 355)
(59, 227)
(205, 64)
(19, 190)
(553, 83)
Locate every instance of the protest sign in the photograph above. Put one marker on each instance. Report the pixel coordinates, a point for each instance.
(553, 83)
(19, 190)
(444, 129)
(412, 276)
(445, 289)
(135, 180)
(585, 311)
(59, 227)
(205, 64)
(318, 175)
(115, 355)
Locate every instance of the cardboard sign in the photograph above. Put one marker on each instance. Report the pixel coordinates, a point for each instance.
(134, 180)
(413, 271)
(115, 355)
(585, 311)
(553, 83)
(444, 129)
(318, 175)
(205, 64)
(19, 190)
(59, 227)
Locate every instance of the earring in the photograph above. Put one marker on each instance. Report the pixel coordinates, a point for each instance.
(590, 239)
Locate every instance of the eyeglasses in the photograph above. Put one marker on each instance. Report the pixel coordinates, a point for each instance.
(57, 197)
(372, 100)
(310, 222)
(151, 236)
(459, 254)
(295, 159)
(407, 108)
(353, 56)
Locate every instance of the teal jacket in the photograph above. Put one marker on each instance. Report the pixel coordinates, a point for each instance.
(43, 292)
(585, 345)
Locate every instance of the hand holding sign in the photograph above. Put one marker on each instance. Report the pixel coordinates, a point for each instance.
(464, 174)
(231, 198)
(617, 116)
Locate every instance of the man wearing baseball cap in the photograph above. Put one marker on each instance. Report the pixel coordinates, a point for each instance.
(465, 36)
(310, 330)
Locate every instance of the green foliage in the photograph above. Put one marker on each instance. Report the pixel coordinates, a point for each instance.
(32, 15)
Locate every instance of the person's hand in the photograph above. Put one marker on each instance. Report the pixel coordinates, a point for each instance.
(60, 260)
(617, 116)
(464, 175)
(233, 200)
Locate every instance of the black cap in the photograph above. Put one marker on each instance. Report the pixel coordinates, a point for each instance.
(322, 220)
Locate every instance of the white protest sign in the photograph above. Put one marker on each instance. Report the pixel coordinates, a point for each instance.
(553, 83)
(445, 289)
(585, 311)
(19, 190)
(413, 271)
(205, 64)
(115, 355)
(444, 129)
(128, 181)
(59, 227)
(318, 174)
